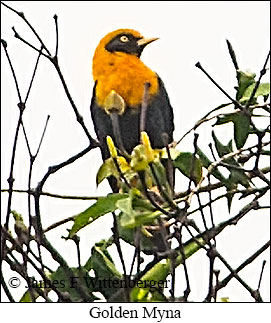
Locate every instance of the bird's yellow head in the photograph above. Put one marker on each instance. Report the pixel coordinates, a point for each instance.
(124, 40)
(117, 67)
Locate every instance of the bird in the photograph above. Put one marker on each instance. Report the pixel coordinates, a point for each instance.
(120, 81)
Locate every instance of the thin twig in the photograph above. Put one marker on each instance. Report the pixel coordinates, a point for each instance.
(67, 270)
(117, 242)
(170, 171)
(10, 178)
(256, 296)
(137, 251)
(26, 140)
(56, 24)
(57, 224)
(216, 164)
(211, 207)
(178, 198)
(40, 272)
(4, 44)
(206, 119)
(161, 189)
(33, 76)
(262, 72)
(116, 237)
(237, 104)
(79, 118)
(21, 110)
(54, 61)
(260, 136)
(212, 255)
(59, 196)
(115, 161)
(261, 275)
(55, 168)
(16, 35)
(5, 287)
(248, 261)
(148, 195)
(187, 290)
(21, 14)
(42, 136)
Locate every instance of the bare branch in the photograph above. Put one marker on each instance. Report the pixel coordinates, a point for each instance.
(21, 15)
(4, 44)
(262, 72)
(56, 24)
(33, 76)
(237, 104)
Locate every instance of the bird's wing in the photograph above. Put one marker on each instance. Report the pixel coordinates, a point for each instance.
(159, 118)
(166, 110)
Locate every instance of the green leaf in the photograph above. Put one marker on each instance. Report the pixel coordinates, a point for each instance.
(239, 177)
(107, 278)
(229, 196)
(139, 160)
(220, 148)
(225, 118)
(129, 236)
(236, 176)
(161, 172)
(105, 271)
(102, 264)
(135, 212)
(152, 279)
(189, 165)
(103, 206)
(68, 283)
(241, 121)
(223, 105)
(103, 245)
(245, 79)
(241, 128)
(262, 90)
(206, 162)
(173, 153)
(107, 169)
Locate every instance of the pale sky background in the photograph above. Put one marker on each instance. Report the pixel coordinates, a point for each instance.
(189, 32)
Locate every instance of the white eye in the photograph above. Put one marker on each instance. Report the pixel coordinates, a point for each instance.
(124, 39)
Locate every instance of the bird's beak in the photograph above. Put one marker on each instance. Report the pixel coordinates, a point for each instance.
(145, 41)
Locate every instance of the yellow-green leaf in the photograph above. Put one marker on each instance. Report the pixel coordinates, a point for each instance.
(245, 79)
(109, 168)
(262, 90)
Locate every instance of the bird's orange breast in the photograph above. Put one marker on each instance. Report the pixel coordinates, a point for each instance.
(126, 74)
